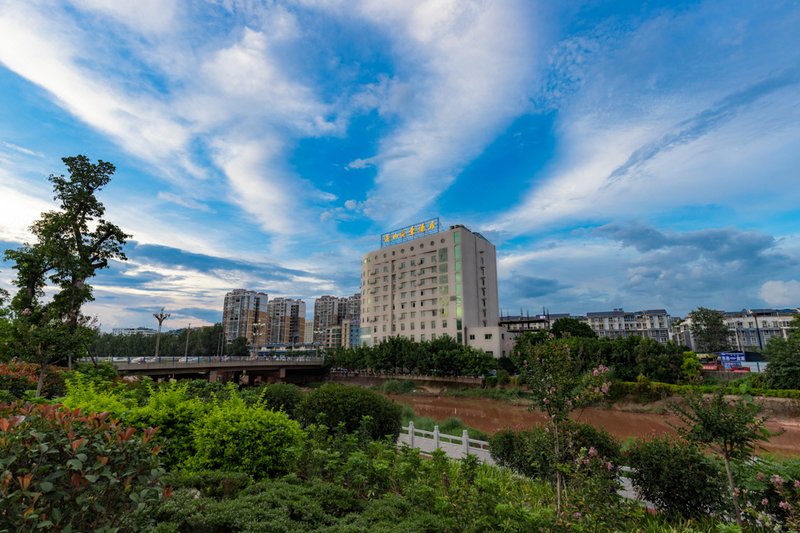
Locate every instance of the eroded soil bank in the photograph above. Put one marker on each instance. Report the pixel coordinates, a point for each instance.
(493, 415)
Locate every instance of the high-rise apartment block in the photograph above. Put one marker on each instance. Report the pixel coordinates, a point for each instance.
(424, 283)
(334, 319)
(244, 314)
(286, 321)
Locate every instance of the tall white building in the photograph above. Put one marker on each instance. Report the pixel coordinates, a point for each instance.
(423, 283)
(749, 330)
(244, 314)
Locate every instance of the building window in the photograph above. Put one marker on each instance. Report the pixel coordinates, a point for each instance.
(472, 336)
(444, 323)
(487, 336)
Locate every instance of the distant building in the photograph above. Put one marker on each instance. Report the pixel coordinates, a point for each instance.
(749, 330)
(244, 314)
(286, 319)
(333, 318)
(423, 283)
(653, 324)
(123, 332)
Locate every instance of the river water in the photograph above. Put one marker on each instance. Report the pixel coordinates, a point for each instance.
(491, 416)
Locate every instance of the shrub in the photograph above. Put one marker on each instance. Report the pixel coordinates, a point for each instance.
(676, 477)
(65, 470)
(530, 452)
(333, 404)
(235, 437)
(170, 408)
(17, 377)
(394, 386)
(282, 396)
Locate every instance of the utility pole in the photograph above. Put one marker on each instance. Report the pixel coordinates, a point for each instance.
(186, 349)
(161, 317)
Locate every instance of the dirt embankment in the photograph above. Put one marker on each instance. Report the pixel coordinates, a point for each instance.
(623, 420)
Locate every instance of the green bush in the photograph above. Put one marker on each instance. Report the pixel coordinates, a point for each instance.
(65, 470)
(235, 437)
(170, 408)
(210, 483)
(334, 404)
(282, 396)
(676, 477)
(394, 386)
(530, 452)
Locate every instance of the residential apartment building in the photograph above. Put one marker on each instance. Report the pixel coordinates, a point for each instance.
(244, 314)
(286, 321)
(333, 311)
(423, 283)
(654, 324)
(749, 330)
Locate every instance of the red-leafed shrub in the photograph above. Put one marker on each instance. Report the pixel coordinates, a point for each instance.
(18, 377)
(61, 470)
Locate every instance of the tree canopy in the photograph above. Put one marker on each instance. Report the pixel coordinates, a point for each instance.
(709, 330)
(572, 327)
(783, 355)
(71, 245)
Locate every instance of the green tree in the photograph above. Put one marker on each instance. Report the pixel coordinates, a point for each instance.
(783, 355)
(558, 382)
(709, 330)
(731, 430)
(72, 244)
(571, 327)
(238, 347)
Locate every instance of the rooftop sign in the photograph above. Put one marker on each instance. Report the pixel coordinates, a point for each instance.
(408, 233)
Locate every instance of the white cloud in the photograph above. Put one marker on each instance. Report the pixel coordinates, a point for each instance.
(781, 293)
(464, 69)
(143, 16)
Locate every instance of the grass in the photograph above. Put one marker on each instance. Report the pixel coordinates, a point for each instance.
(450, 426)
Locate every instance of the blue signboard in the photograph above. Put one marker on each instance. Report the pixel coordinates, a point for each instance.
(731, 359)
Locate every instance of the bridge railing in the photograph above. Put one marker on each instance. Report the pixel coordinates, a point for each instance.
(454, 446)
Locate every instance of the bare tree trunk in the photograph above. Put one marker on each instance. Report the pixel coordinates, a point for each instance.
(732, 488)
(558, 468)
(40, 384)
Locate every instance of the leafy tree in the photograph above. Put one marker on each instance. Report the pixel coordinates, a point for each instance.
(731, 430)
(72, 244)
(691, 368)
(709, 330)
(571, 327)
(238, 347)
(783, 371)
(558, 383)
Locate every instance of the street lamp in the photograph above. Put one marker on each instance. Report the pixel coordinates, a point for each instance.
(161, 317)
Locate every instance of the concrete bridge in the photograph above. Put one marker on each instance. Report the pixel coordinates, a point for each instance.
(245, 370)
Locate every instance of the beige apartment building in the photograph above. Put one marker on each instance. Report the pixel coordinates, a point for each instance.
(244, 314)
(286, 321)
(424, 283)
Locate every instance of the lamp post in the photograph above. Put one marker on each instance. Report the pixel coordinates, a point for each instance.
(161, 317)
(257, 327)
(186, 349)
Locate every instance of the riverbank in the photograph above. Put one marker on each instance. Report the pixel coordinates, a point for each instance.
(491, 416)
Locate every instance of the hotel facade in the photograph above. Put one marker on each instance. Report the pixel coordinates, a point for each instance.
(424, 283)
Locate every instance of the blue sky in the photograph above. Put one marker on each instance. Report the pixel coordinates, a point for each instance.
(619, 154)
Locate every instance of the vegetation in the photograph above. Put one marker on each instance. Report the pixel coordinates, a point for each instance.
(334, 404)
(676, 477)
(783, 371)
(709, 330)
(572, 327)
(203, 341)
(72, 244)
(558, 382)
(731, 430)
(442, 356)
(65, 470)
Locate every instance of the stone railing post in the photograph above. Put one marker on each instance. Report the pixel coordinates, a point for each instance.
(436, 437)
(465, 439)
(411, 434)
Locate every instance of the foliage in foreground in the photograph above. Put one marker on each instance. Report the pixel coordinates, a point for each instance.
(333, 404)
(63, 470)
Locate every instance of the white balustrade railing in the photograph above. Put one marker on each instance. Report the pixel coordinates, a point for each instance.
(454, 446)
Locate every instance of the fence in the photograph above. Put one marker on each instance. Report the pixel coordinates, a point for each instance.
(453, 445)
